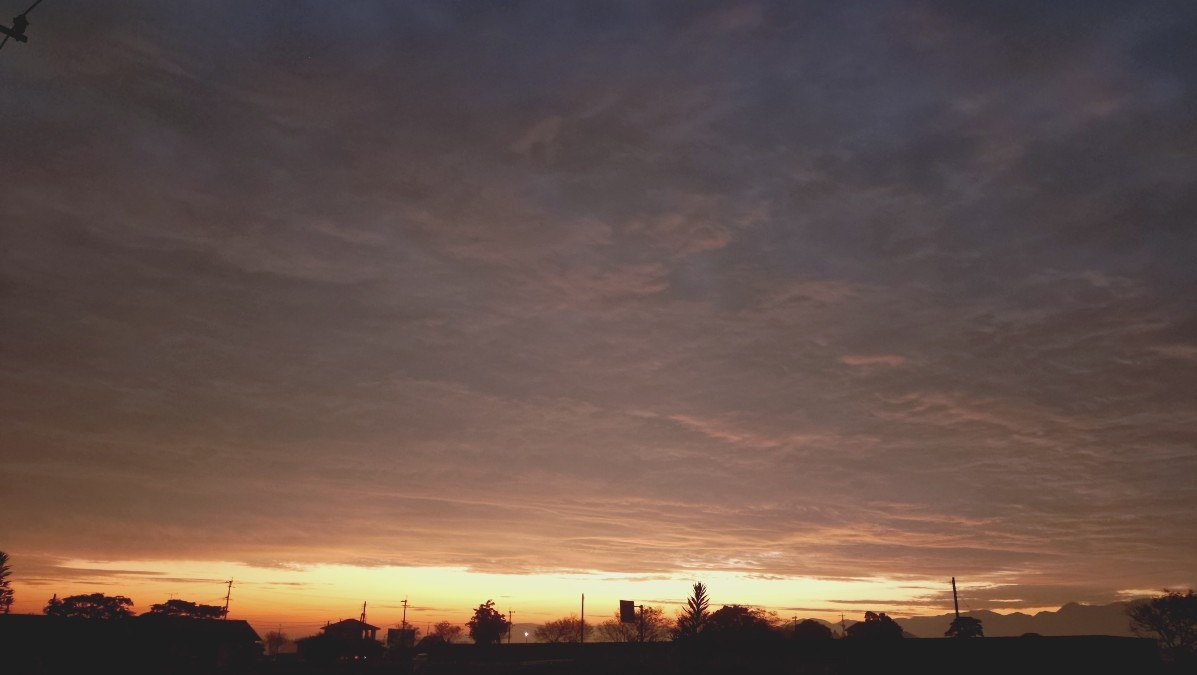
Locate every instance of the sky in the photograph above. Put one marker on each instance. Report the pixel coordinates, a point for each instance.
(819, 303)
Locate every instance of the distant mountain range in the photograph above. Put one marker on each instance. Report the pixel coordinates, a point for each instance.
(1071, 619)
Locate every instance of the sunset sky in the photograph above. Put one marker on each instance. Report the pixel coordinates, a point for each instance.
(820, 303)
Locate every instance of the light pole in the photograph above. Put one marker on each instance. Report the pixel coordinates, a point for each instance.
(525, 637)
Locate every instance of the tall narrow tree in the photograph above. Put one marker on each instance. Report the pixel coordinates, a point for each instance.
(692, 619)
(5, 590)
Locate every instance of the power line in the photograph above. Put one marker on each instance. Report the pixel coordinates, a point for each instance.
(19, 25)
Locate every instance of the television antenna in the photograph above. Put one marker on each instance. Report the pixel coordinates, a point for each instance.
(227, 595)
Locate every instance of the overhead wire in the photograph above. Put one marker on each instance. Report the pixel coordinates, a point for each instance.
(19, 25)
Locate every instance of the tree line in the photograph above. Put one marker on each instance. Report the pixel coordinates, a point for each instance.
(100, 606)
(1171, 619)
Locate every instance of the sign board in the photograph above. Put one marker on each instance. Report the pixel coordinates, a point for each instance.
(627, 611)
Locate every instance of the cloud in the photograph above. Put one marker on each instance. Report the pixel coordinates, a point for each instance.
(691, 223)
(734, 434)
(1179, 352)
(541, 135)
(646, 294)
(872, 360)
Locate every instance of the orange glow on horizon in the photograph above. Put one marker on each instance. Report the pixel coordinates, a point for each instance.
(300, 600)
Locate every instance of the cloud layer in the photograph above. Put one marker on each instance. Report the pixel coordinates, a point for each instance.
(798, 290)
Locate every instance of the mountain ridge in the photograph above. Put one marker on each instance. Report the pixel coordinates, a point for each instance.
(1071, 619)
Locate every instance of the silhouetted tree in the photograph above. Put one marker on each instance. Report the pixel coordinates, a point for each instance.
(567, 629)
(692, 619)
(809, 629)
(964, 627)
(875, 627)
(174, 607)
(656, 627)
(430, 642)
(6, 594)
(447, 632)
(488, 625)
(1171, 619)
(90, 606)
(274, 641)
(737, 623)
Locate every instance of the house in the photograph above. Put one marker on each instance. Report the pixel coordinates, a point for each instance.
(351, 629)
(349, 639)
(49, 645)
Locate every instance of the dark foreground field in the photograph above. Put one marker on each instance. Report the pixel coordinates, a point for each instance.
(996, 656)
(42, 645)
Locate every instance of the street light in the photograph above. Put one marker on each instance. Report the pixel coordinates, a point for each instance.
(525, 637)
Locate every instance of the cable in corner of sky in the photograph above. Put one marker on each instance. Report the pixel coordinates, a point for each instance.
(20, 24)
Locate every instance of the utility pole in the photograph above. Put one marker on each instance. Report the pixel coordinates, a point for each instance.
(228, 595)
(641, 608)
(510, 623)
(582, 623)
(955, 600)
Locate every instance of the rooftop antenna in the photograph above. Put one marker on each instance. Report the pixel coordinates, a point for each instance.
(19, 25)
(229, 594)
(405, 614)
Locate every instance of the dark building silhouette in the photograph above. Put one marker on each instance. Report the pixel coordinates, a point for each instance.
(345, 640)
(351, 629)
(48, 645)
